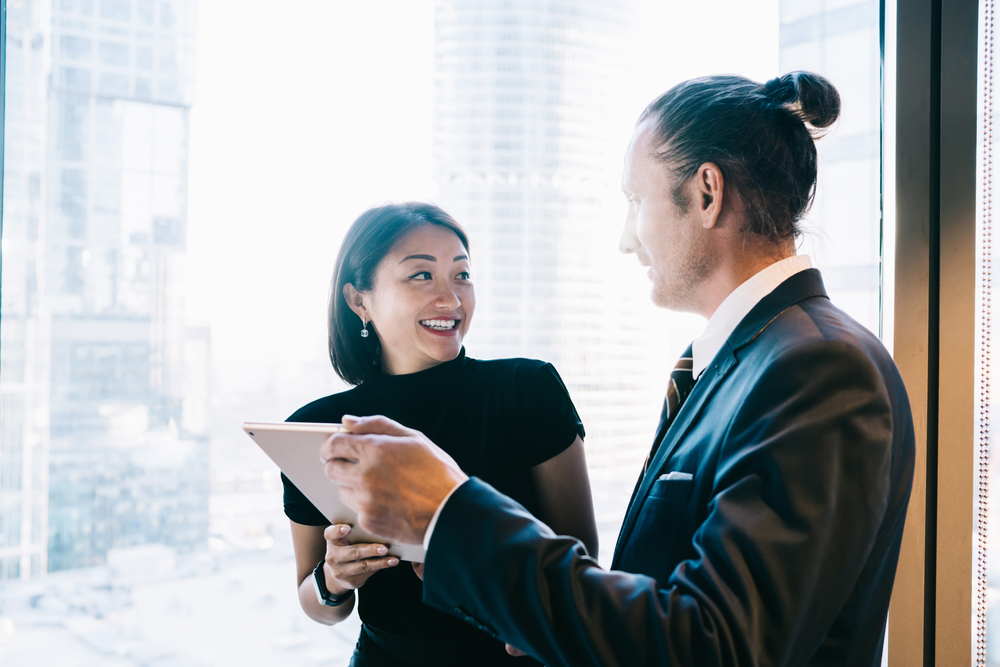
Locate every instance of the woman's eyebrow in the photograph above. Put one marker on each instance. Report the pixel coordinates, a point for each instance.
(429, 258)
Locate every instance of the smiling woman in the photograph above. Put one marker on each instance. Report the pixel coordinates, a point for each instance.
(401, 303)
(422, 308)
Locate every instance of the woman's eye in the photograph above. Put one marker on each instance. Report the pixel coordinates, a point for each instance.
(421, 275)
(464, 275)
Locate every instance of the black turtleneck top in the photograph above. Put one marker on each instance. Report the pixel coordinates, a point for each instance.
(497, 419)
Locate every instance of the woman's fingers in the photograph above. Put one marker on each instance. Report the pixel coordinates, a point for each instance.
(337, 534)
(355, 552)
(357, 568)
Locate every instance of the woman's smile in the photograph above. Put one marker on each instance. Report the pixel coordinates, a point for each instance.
(424, 280)
(440, 327)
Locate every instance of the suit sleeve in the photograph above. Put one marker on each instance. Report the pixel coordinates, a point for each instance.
(799, 493)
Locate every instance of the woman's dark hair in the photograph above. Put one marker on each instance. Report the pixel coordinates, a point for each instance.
(757, 134)
(371, 237)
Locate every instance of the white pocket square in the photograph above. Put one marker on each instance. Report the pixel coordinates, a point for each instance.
(675, 475)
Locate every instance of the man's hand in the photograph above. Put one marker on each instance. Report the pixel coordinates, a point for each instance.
(392, 476)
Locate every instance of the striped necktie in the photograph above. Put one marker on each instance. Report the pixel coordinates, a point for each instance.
(680, 385)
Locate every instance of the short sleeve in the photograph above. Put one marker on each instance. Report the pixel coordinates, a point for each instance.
(550, 421)
(298, 508)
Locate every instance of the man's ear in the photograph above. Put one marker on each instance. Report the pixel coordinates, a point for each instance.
(710, 187)
(356, 302)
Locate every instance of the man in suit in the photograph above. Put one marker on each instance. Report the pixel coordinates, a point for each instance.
(766, 524)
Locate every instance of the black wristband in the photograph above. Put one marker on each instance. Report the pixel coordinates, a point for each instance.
(322, 594)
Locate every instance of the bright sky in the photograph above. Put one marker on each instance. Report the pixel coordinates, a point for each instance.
(310, 111)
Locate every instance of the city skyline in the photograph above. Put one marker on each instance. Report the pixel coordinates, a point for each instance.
(104, 194)
(281, 144)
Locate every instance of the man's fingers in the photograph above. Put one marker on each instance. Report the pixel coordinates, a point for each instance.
(341, 447)
(341, 472)
(350, 498)
(375, 425)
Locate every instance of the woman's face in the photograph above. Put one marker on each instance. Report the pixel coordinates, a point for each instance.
(422, 301)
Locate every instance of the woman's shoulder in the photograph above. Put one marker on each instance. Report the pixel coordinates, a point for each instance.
(513, 368)
(516, 373)
(327, 410)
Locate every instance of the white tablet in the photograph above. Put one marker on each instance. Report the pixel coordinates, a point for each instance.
(294, 447)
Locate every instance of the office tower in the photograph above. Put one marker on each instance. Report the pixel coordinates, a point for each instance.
(127, 455)
(533, 109)
(843, 229)
(24, 354)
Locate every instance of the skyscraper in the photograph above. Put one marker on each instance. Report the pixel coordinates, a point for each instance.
(531, 101)
(24, 355)
(114, 81)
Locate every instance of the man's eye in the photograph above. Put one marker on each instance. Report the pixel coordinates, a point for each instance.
(421, 275)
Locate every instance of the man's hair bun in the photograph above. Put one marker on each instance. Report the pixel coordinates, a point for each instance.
(809, 96)
(761, 136)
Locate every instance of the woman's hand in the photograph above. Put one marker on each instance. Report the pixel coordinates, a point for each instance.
(348, 566)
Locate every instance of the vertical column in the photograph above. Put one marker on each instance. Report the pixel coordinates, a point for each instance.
(929, 620)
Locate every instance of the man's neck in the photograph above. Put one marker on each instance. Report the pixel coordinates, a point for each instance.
(734, 269)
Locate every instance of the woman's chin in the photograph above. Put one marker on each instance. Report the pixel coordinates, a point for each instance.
(448, 349)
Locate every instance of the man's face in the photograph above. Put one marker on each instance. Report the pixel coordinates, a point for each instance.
(667, 239)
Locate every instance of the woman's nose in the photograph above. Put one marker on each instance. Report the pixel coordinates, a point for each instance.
(447, 297)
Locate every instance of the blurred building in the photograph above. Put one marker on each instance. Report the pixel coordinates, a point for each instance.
(843, 233)
(127, 454)
(531, 102)
(24, 355)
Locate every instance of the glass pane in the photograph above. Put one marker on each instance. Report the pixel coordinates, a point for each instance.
(167, 250)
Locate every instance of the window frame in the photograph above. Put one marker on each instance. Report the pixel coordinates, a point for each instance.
(934, 313)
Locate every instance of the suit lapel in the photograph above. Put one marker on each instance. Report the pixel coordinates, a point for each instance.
(803, 285)
(700, 394)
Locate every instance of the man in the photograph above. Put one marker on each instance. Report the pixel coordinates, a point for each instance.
(766, 525)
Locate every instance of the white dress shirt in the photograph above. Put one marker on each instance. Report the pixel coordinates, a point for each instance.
(721, 325)
(737, 306)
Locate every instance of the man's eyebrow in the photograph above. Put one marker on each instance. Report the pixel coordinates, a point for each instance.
(429, 258)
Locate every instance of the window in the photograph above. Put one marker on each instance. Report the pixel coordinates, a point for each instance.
(175, 284)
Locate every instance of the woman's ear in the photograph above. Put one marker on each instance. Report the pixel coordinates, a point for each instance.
(356, 302)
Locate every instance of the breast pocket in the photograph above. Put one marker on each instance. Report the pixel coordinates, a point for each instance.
(677, 489)
(663, 530)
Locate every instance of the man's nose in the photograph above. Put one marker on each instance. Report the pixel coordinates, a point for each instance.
(628, 243)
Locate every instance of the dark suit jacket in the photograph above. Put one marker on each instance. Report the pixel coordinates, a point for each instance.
(781, 550)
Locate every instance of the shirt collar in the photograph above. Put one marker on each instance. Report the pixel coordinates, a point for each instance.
(737, 305)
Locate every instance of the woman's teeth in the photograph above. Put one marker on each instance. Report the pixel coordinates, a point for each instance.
(439, 324)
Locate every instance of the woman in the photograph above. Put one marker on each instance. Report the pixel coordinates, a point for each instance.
(400, 306)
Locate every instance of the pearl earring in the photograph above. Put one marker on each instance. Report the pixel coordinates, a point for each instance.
(364, 330)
